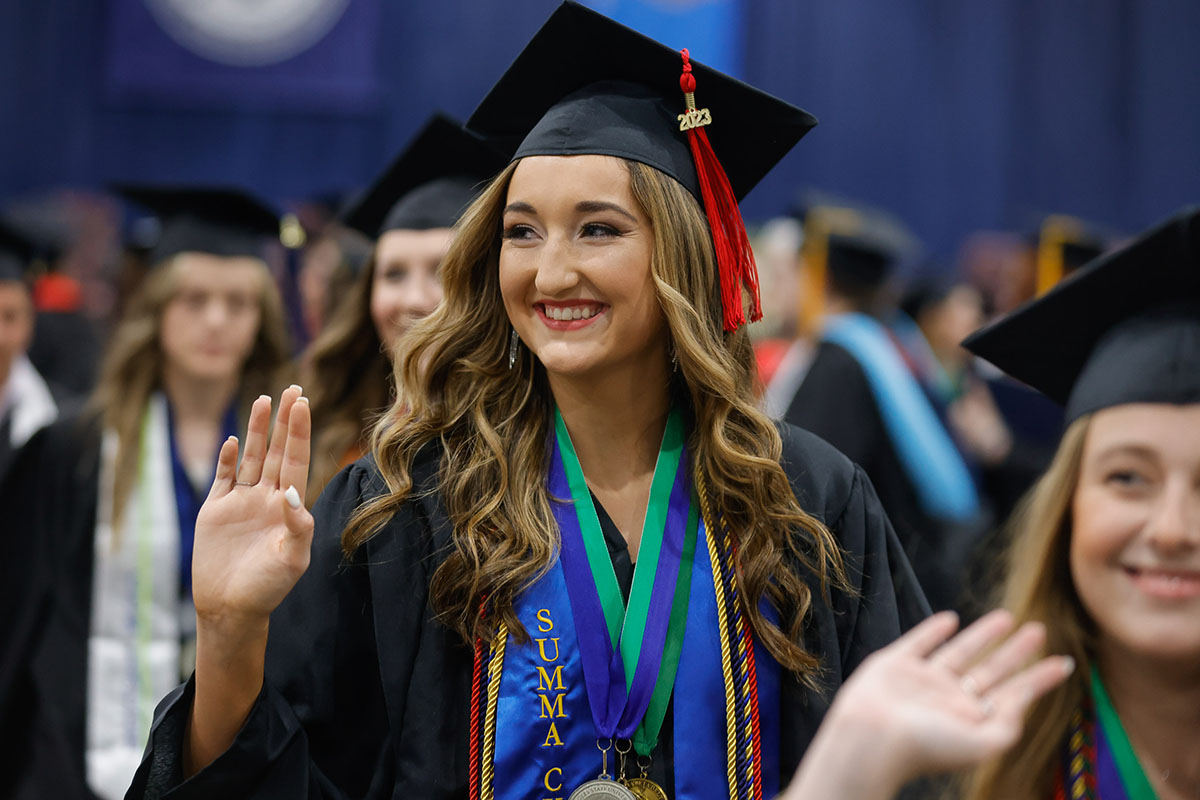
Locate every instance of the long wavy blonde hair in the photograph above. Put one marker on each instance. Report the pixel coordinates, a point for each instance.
(455, 389)
(1039, 588)
(132, 368)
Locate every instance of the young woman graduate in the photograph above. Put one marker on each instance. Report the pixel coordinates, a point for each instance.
(1107, 549)
(409, 212)
(579, 560)
(114, 492)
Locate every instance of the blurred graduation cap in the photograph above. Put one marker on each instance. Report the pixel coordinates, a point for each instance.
(17, 253)
(853, 246)
(585, 84)
(1123, 329)
(221, 221)
(430, 183)
(1064, 244)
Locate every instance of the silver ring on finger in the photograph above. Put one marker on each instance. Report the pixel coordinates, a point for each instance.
(969, 685)
(243, 483)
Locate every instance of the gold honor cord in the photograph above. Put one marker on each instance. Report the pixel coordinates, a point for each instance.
(495, 669)
(710, 535)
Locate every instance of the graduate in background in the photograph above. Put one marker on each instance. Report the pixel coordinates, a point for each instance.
(410, 210)
(1107, 546)
(114, 491)
(26, 402)
(575, 449)
(859, 394)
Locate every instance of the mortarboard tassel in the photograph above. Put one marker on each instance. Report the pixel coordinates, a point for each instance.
(735, 259)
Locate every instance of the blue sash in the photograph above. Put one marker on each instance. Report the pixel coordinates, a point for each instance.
(545, 741)
(931, 461)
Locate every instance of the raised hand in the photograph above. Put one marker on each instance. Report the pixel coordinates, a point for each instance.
(253, 533)
(253, 537)
(929, 703)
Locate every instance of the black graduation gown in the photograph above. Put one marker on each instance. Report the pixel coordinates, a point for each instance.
(366, 696)
(49, 496)
(836, 402)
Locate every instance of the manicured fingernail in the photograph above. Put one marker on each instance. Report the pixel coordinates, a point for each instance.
(231, 438)
(296, 387)
(302, 399)
(1068, 665)
(266, 397)
(292, 497)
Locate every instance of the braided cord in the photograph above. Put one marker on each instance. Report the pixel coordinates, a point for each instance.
(495, 668)
(750, 686)
(726, 669)
(476, 695)
(1080, 783)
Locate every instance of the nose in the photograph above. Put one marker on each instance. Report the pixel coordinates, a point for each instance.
(1175, 523)
(423, 294)
(556, 269)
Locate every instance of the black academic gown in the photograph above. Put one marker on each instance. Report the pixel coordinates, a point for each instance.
(366, 696)
(49, 497)
(836, 402)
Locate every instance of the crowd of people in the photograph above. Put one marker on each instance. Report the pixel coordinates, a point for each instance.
(536, 513)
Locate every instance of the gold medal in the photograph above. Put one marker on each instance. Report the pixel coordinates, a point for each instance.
(604, 789)
(645, 789)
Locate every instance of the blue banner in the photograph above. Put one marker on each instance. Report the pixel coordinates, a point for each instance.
(314, 54)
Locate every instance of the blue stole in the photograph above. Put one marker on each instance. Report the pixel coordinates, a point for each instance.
(545, 742)
(931, 461)
(187, 498)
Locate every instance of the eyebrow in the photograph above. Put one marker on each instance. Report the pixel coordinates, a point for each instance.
(584, 207)
(1127, 449)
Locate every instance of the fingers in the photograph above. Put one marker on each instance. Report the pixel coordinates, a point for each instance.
(961, 651)
(256, 441)
(1002, 663)
(226, 468)
(299, 521)
(274, 459)
(294, 470)
(924, 638)
(1014, 696)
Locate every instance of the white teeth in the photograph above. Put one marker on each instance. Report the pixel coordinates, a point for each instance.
(572, 313)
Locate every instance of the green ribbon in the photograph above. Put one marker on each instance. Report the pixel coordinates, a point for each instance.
(626, 627)
(1133, 777)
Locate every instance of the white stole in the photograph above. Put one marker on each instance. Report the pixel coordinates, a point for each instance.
(26, 396)
(134, 642)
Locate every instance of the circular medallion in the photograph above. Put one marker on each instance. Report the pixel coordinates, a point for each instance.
(247, 34)
(645, 789)
(602, 789)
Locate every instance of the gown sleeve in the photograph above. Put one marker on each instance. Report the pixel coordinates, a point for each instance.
(884, 600)
(320, 727)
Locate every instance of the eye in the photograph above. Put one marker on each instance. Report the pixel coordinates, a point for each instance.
(518, 231)
(394, 273)
(601, 230)
(1125, 478)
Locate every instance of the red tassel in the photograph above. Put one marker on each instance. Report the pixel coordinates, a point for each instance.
(735, 259)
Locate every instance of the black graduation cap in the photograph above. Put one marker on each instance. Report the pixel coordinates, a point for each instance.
(430, 183)
(587, 85)
(860, 244)
(1123, 329)
(222, 221)
(1064, 244)
(17, 253)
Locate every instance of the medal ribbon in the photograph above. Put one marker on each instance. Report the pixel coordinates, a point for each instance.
(630, 659)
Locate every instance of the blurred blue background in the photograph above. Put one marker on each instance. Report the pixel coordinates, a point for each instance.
(955, 114)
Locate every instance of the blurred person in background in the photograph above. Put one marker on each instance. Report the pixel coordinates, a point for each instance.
(26, 402)
(114, 491)
(408, 212)
(859, 394)
(1107, 547)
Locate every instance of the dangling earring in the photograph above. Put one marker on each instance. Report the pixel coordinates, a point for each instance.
(512, 348)
(674, 357)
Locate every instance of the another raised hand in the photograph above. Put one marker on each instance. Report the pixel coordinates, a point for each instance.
(253, 538)
(926, 704)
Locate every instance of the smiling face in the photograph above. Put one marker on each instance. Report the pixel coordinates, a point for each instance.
(575, 267)
(405, 285)
(210, 324)
(1135, 544)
